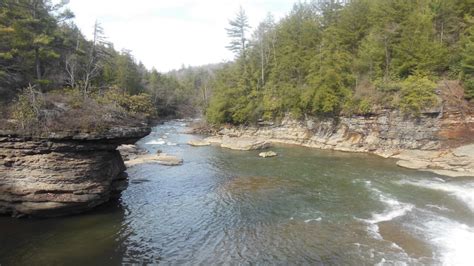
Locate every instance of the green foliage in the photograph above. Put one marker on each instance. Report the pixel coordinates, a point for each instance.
(236, 32)
(232, 102)
(417, 94)
(134, 104)
(326, 58)
(358, 107)
(469, 88)
(39, 46)
(30, 41)
(467, 59)
(322, 59)
(418, 50)
(25, 109)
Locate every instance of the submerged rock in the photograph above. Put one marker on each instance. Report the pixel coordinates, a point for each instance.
(170, 160)
(198, 143)
(62, 173)
(244, 144)
(267, 154)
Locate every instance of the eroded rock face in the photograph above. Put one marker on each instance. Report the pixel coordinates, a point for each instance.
(426, 143)
(62, 173)
(244, 143)
(385, 132)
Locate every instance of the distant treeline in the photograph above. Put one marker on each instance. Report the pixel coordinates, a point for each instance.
(328, 58)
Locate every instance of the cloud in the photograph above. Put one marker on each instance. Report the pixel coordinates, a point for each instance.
(168, 34)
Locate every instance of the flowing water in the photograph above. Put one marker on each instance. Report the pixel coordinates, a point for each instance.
(305, 206)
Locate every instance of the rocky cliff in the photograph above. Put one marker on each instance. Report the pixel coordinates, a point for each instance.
(62, 173)
(428, 141)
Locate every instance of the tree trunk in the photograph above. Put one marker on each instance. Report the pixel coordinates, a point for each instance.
(263, 64)
(38, 66)
(387, 59)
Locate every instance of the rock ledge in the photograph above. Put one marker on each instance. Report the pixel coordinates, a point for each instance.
(62, 173)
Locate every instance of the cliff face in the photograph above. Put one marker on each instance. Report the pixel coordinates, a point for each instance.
(449, 125)
(62, 173)
(438, 141)
(432, 142)
(384, 132)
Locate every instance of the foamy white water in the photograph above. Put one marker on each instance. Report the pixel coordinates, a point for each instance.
(394, 208)
(156, 142)
(453, 240)
(463, 192)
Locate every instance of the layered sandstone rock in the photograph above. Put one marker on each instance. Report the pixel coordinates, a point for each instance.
(244, 143)
(198, 143)
(161, 158)
(62, 173)
(426, 142)
(386, 133)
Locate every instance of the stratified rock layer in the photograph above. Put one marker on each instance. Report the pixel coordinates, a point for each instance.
(424, 143)
(62, 173)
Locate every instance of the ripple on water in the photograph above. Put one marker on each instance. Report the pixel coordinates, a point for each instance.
(228, 207)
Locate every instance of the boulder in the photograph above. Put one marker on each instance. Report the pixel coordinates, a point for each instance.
(244, 143)
(267, 154)
(198, 143)
(63, 173)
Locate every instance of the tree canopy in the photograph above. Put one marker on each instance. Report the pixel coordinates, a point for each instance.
(327, 58)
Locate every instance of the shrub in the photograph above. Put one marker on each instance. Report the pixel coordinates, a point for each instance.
(134, 104)
(417, 94)
(469, 88)
(26, 108)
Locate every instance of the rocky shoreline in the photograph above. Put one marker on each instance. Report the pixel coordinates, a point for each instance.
(434, 142)
(64, 172)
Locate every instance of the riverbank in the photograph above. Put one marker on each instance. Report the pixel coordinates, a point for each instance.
(437, 142)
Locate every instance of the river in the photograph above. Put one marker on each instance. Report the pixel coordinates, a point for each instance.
(306, 206)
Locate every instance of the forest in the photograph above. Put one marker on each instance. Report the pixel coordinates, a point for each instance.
(331, 58)
(50, 72)
(324, 58)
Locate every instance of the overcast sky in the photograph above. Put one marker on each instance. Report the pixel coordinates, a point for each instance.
(166, 34)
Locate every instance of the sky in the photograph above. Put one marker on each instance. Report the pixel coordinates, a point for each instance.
(167, 34)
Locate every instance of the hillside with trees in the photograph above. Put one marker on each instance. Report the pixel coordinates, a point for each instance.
(50, 72)
(327, 58)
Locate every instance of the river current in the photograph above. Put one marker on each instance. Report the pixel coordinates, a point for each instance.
(305, 206)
